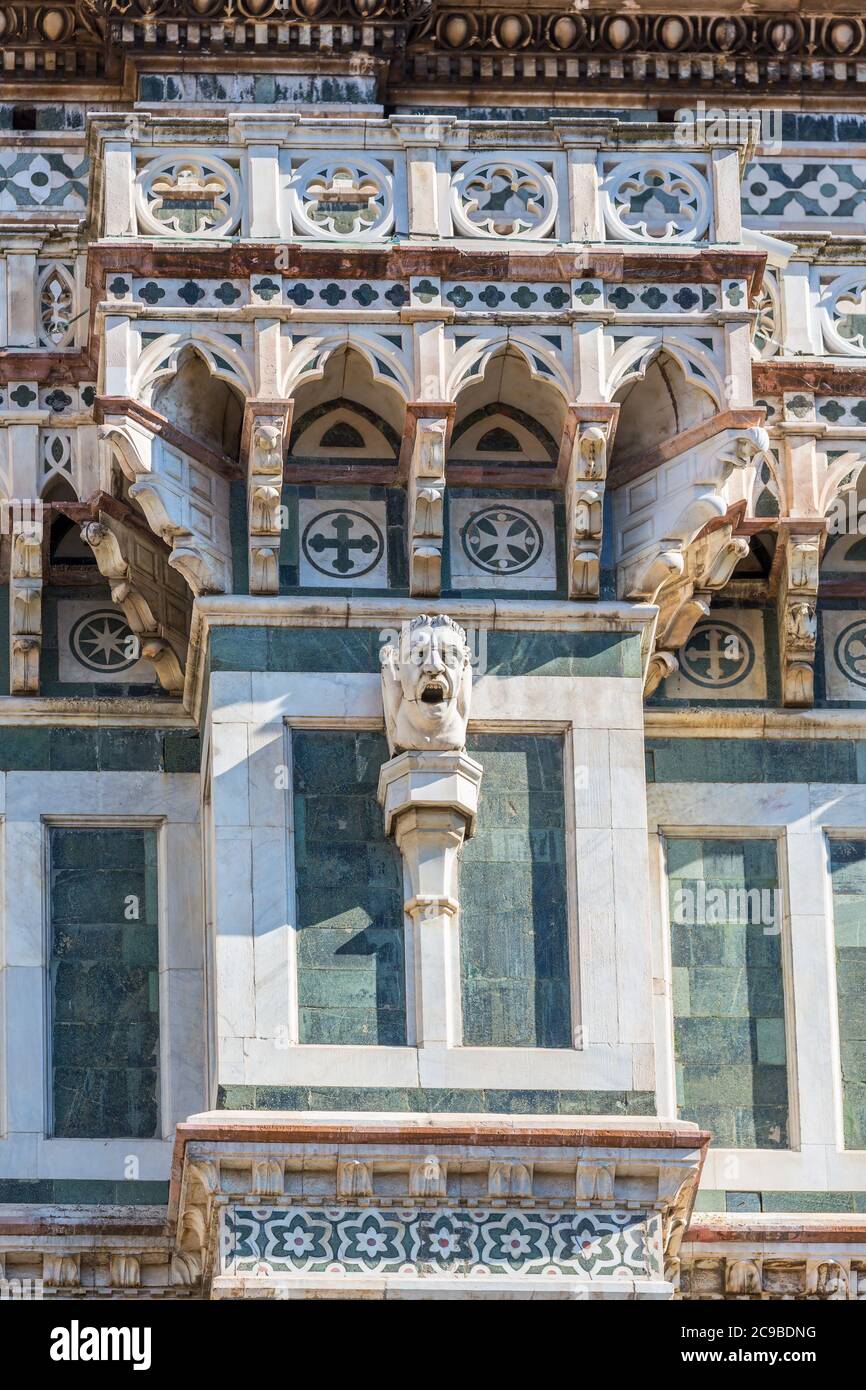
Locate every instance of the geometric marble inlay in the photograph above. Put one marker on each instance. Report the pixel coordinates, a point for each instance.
(722, 659)
(337, 1240)
(502, 544)
(342, 543)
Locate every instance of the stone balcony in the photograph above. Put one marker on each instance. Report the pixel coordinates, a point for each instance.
(291, 1205)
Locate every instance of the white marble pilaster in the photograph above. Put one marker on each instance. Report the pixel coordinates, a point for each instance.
(725, 174)
(119, 184)
(263, 196)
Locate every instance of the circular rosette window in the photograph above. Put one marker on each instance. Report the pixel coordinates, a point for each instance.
(179, 196)
(351, 198)
(656, 201)
(503, 198)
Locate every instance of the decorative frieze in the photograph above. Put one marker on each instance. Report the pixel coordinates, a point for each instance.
(42, 178)
(771, 1275)
(457, 1244)
(792, 193)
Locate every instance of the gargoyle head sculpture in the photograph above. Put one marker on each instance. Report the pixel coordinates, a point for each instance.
(426, 686)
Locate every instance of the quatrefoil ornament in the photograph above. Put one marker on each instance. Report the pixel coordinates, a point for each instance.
(503, 198)
(656, 201)
(352, 198)
(187, 197)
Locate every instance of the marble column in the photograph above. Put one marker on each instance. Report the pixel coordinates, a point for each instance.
(430, 801)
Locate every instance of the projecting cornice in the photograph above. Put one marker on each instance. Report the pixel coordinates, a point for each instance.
(450, 50)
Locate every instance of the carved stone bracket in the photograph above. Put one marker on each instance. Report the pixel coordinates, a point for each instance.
(707, 566)
(426, 506)
(661, 514)
(264, 443)
(184, 501)
(114, 567)
(25, 609)
(584, 502)
(796, 608)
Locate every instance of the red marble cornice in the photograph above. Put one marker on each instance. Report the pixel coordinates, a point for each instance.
(146, 258)
(792, 1228)
(809, 374)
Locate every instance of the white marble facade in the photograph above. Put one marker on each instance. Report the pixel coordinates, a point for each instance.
(583, 381)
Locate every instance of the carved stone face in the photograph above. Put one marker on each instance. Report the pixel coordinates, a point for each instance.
(426, 687)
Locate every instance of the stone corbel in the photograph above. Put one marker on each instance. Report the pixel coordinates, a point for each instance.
(114, 567)
(509, 1180)
(595, 1182)
(677, 1187)
(796, 607)
(354, 1179)
(25, 609)
(584, 502)
(428, 790)
(266, 1178)
(124, 1271)
(428, 1179)
(426, 489)
(61, 1271)
(743, 1279)
(826, 1280)
(168, 504)
(707, 566)
(662, 511)
(263, 446)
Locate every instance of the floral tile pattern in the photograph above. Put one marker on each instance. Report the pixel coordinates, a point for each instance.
(790, 189)
(43, 178)
(341, 1240)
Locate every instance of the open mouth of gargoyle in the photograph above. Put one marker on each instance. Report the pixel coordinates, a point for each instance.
(433, 694)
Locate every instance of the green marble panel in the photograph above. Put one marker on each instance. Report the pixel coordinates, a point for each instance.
(729, 1028)
(104, 972)
(83, 1191)
(754, 760)
(329, 649)
(709, 1200)
(349, 893)
(44, 749)
(848, 874)
(419, 1099)
(513, 898)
